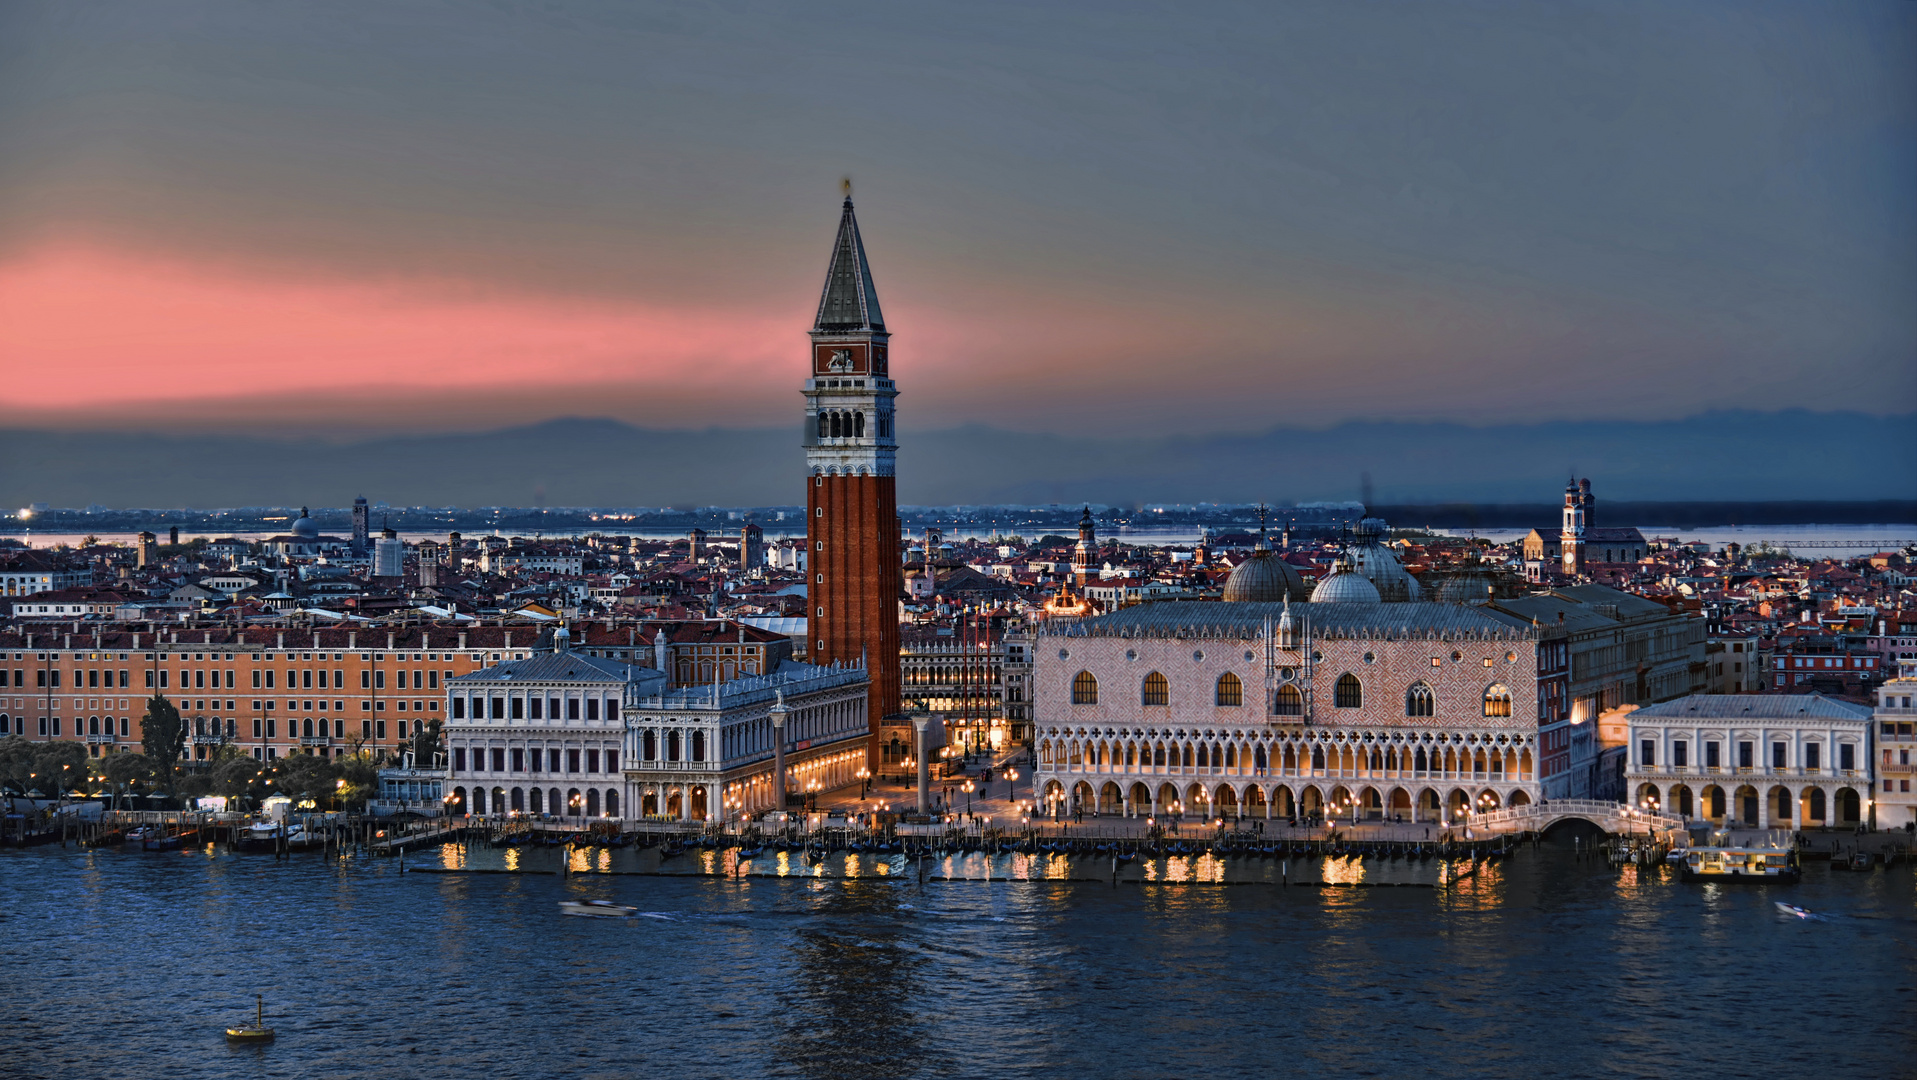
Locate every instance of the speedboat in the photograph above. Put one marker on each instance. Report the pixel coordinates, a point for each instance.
(1793, 909)
(597, 909)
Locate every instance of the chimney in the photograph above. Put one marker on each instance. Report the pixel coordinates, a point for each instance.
(389, 640)
(352, 639)
(462, 639)
(279, 639)
(509, 639)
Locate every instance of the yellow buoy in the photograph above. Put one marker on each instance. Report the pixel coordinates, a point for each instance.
(258, 1032)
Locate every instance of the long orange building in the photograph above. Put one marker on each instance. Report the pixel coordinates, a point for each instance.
(274, 691)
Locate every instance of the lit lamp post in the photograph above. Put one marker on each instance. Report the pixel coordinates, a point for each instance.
(865, 781)
(1011, 784)
(968, 796)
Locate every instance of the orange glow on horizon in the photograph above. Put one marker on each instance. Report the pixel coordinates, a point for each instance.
(85, 328)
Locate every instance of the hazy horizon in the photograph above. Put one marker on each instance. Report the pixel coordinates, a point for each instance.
(1084, 220)
(1710, 457)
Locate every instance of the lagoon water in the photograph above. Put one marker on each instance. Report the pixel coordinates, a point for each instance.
(128, 964)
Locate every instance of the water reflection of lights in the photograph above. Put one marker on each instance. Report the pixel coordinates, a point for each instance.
(1343, 870)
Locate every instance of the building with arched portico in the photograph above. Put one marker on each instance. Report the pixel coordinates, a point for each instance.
(1763, 761)
(1370, 711)
(701, 753)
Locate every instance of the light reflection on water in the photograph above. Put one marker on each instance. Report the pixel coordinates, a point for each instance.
(137, 960)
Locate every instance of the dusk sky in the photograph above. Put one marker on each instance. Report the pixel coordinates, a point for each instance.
(354, 218)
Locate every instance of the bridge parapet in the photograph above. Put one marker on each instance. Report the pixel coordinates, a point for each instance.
(1609, 816)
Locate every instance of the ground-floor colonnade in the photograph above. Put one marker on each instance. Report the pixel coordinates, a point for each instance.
(1294, 772)
(1758, 802)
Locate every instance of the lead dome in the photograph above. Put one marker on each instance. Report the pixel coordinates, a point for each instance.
(1345, 585)
(1264, 578)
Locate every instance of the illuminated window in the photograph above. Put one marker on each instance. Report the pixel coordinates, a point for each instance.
(1156, 692)
(1231, 692)
(1497, 701)
(1084, 689)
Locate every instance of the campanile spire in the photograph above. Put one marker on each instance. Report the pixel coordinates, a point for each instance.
(852, 520)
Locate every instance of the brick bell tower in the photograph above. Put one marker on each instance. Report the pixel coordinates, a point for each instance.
(852, 516)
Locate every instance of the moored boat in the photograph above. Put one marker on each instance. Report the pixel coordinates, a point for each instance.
(1741, 864)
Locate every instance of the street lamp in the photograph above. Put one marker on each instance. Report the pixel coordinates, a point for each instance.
(968, 796)
(1011, 784)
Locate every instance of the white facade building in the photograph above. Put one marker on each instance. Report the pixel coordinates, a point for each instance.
(1896, 751)
(1766, 761)
(1413, 710)
(568, 735)
(541, 735)
(708, 752)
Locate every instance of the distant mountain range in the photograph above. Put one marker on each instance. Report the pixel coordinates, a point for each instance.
(1713, 457)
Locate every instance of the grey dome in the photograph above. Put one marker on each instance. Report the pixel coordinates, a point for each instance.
(305, 527)
(1375, 561)
(1264, 578)
(1471, 586)
(1345, 586)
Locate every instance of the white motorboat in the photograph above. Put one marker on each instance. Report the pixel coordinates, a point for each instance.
(597, 909)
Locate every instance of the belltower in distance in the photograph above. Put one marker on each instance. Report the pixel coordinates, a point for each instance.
(852, 517)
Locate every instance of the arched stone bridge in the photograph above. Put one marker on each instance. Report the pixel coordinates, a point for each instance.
(1610, 816)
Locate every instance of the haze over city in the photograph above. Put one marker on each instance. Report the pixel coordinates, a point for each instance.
(1090, 222)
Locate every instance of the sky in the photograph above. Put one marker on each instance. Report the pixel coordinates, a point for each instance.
(358, 219)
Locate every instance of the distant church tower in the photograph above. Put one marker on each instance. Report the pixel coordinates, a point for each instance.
(1086, 551)
(1578, 506)
(852, 517)
(362, 527)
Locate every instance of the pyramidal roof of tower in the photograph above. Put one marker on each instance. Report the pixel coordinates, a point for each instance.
(849, 304)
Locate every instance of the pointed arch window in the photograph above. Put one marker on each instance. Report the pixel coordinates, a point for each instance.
(1497, 700)
(1156, 690)
(1348, 694)
(1084, 689)
(1289, 702)
(1419, 701)
(1231, 692)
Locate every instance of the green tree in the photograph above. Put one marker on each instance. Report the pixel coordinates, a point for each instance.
(239, 777)
(128, 772)
(308, 776)
(427, 746)
(58, 768)
(163, 737)
(362, 780)
(16, 762)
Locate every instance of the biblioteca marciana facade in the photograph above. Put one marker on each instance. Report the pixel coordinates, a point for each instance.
(1415, 711)
(566, 735)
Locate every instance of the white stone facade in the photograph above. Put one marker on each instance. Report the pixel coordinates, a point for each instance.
(541, 736)
(1895, 760)
(1767, 761)
(700, 753)
(1438, 712)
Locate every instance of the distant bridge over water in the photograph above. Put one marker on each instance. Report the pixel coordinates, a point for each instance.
(1610, 816)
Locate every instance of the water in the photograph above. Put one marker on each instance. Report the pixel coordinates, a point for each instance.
(1806, 541)
(1844, 541)
(124, 964)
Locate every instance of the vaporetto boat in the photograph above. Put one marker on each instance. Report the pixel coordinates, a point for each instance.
(1741, 864)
